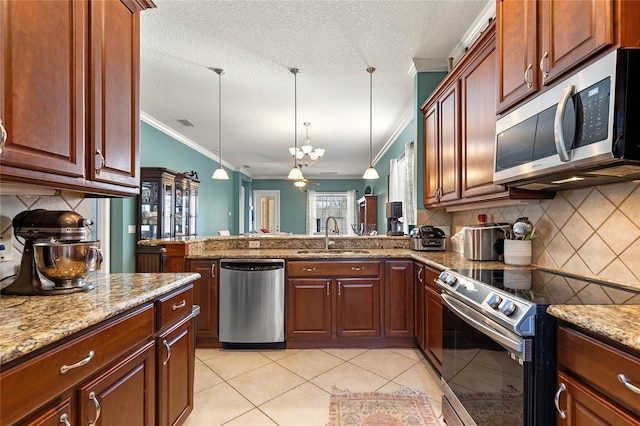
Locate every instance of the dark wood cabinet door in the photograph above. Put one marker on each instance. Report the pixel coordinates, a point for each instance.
(309, 311)
(358, 307)
(114, 93)
(123, 394)
(432, 318)
(582, 406)
(206, 296)
(571, 31)
(431, 155)
(479, 125)
(449, 115)
(517, 64)
(419, 304)
(42, 80)
(398, 298)
(175, 373)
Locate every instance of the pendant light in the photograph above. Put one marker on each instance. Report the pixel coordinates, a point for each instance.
(371, 172)
(220, 173)
(295, 173)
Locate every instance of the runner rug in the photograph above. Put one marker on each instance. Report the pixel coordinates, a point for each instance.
(376, 408)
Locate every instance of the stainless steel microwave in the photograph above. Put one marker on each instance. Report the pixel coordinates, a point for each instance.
(583, 131)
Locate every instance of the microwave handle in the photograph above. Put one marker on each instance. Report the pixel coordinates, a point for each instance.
(558, 133)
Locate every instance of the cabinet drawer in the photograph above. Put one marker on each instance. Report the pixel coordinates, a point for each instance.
(174, 306)
(599, 365)
(350, 268)
(35, 382)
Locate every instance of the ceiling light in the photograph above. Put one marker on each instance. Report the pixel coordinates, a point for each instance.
(568, 180)
(219, 173)
(295, 173)
(300, 183)
(371, 172)
(307, 154)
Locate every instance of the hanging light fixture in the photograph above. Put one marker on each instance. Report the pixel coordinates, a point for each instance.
(371, 172)
(300, 183)
(307, 154)
(219, 173)
(295, 173)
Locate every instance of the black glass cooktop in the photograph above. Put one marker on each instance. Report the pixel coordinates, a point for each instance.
(544, 287)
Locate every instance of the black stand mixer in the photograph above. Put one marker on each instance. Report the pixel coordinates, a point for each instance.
(53, 246)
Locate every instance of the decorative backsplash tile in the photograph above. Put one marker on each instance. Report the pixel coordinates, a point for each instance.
(589, 231)
(12, 205)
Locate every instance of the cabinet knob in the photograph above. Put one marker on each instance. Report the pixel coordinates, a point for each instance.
(528, 76)
(556, 400)
(100, 162)
(64, 419)
(3, 136)
(544, 65)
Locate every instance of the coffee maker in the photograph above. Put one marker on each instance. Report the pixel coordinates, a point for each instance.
(394, 216)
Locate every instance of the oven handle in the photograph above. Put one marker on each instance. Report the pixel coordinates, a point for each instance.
(467, 315)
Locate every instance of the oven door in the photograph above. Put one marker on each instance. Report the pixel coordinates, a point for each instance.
(486, 370)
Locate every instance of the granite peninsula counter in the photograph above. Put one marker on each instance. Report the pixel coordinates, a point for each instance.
(28, 323)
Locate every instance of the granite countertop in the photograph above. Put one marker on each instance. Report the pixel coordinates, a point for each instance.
(28, 323)
(618, 323)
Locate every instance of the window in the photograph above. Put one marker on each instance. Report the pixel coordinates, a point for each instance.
(321, 205)
(402, 186)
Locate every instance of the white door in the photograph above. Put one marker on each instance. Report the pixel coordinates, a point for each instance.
(267, 210)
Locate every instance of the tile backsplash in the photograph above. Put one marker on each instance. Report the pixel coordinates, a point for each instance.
(589, 231)
(12, 205)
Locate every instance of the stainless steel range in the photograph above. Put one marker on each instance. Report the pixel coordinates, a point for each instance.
(499, 347)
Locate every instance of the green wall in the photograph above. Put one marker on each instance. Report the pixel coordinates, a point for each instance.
(293, 202)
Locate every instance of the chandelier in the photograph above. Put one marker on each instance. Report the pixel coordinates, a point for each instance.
(306, 155)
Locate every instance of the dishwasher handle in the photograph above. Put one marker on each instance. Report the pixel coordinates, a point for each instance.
(251, 265)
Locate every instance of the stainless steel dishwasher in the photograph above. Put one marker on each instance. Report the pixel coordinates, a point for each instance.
(252, 303)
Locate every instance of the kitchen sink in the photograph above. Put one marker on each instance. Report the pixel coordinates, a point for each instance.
(333, 251)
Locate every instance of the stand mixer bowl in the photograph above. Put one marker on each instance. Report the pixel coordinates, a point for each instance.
(67, 264)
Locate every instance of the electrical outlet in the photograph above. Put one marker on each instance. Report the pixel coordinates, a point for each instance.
(132, 229)
(6, 251)
(254, 244)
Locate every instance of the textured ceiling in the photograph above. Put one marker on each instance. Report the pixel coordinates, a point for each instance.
(257, 42)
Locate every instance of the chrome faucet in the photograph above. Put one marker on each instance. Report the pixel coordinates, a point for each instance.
(326, 231)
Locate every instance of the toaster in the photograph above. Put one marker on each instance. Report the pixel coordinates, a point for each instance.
(428, 238)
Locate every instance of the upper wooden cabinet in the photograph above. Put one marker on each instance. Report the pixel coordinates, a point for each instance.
(368, 213)
(540, 41)
(69, 100)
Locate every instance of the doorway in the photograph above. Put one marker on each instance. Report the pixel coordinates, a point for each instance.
(267, 210)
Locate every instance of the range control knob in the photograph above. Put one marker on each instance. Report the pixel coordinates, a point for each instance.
(494, 301)
(507, 307)
(450, 279)
(442, 276)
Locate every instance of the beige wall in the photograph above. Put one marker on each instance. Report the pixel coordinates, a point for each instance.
(12, 205)
(591, 231)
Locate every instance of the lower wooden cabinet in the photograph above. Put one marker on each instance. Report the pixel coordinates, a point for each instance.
(124, 394)
(206, 296)
(398, 298)
(428, 313)
(175, 365)
(590, 382)
(308, 308)
(358, 307)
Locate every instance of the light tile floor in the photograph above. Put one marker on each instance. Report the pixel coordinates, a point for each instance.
(292, 386)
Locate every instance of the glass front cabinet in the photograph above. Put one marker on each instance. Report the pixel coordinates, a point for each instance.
(168, 204)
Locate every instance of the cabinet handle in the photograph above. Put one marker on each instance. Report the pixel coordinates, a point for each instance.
(327, 285)
(308, 269)
(627, 383)
(213, 270)
(527, 80)
(339, 288)
(3, 136)
(182, 304)
(166, 345)
(99, 160)
(92, 397)
(64, 419)
(556, 400)
(80, 363)
(545, 70)
(420, 274)
(357, 268)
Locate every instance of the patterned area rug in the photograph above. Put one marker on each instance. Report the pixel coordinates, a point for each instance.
(376, 408)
